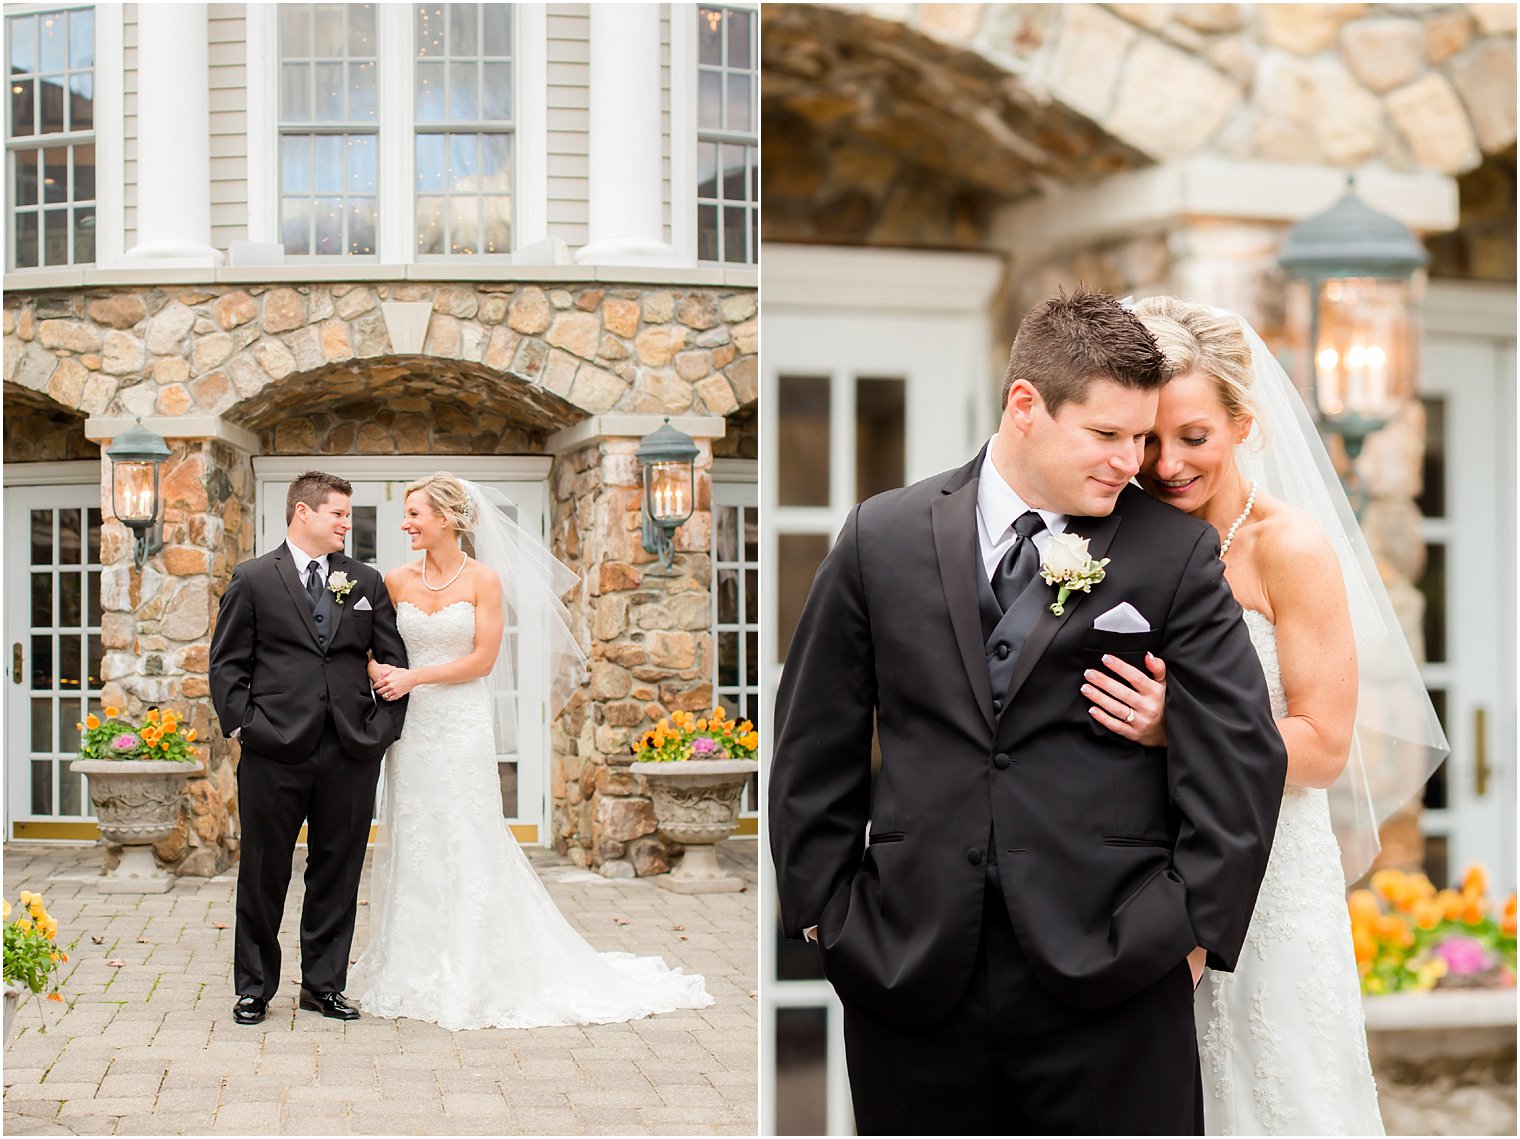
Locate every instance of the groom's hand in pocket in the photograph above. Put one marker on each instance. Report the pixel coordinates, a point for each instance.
(1195, 962)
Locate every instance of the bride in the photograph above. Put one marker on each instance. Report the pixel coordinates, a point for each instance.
(1281, 1040)
(462, 932)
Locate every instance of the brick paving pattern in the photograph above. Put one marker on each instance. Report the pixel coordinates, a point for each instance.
(150, 1048)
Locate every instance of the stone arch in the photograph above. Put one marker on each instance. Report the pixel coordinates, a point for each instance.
(403, 405)
(39, 428)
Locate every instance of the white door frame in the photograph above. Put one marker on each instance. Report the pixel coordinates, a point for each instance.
(29, 486)
(523, 478)
(1468, 360)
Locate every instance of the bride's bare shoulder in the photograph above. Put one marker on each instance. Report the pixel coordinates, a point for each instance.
(483, 577)
(399, 577)
(1292, 545)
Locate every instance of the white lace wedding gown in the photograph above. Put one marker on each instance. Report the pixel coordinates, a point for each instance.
(1281, 1040)
(462, 932)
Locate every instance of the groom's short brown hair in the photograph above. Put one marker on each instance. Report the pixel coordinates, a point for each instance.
(312, 488)
(1067, 342)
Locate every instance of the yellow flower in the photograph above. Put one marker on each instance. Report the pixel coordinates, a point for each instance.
(112, 711)
(78, 727)
(745, 725)
(26, 897)
(751, 741)
(93, 721)
(24, 926)
(7, 911)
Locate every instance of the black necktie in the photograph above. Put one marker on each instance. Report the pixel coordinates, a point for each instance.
(313, 582)
(1020, 563)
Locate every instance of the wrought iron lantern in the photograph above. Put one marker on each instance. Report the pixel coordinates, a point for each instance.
(1356, 271)
(668, 457)
(136, 454)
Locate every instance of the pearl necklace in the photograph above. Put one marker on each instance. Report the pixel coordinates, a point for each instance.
(452, 580)
(1244, 514)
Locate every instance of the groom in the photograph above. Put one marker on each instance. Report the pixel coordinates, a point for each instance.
(288, 659)
(1017, 946)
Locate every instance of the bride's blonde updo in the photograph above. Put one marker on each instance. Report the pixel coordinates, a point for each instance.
(446, 495)
(1196, 338)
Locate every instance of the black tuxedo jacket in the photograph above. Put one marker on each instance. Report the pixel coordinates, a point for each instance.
(1115, 860)
(277, 673)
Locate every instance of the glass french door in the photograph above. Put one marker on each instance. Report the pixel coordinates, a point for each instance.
(376, 538)
(736, 606)
(53, 646)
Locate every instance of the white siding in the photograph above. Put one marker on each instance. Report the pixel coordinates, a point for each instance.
(229, 123)
(569, 97)
(129, 124)
(686, 13)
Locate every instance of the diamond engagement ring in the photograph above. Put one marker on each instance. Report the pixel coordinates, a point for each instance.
(1130, 719)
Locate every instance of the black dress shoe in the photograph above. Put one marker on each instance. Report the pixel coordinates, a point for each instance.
(328, 1004)
(249, 1010)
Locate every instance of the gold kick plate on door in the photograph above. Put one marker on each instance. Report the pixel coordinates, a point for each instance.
(1481, 769)
(16, 663)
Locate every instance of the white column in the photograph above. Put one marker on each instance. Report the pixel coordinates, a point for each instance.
(173, 137)
(625, 222)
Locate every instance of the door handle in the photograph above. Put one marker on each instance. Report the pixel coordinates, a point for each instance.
(16, 664)
(1481, 768)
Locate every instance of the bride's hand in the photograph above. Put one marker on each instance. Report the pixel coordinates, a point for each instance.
(377, 671)
(396, 683)
(1144, 697)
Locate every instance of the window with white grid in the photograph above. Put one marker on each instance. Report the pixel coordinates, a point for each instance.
(728, 134)
(464, 120)
(329, 128)
(736, 607)
(50, 138)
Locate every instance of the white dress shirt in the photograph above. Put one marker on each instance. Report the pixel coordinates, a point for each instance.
(303, 559)
(998, 507)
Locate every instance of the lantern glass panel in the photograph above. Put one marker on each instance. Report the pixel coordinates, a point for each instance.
(1363, 353)
(136, 492)
(669, 495)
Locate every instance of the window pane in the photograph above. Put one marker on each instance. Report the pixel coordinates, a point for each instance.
(70, 659)
(82, 101)
(710, 100)
(498, 18)
(295, 225)
(361, 164)
(42, 600)
(328, 167)
(728, 659)
(50, 91)
(707, 170)
(430, 162)
(42, 537)
(42, 725)
(295, 92)
(23, 117)
(70, 601)
(464, 38)
(92, 537)
(496, 92)
(710, 35)
(26, 241)
(84, 173)
(295, 163)
(496, 162)
(733, 234)
(21, 31)
(803, 442)
(430, 224)
(26, 177)
(802, 1049)
(880, 436)
(328, 215)
(361, 226)
(464, 96)
(707, 233)
(463, 162)
(1432, 584)
(42, 787)
(734, 167)
(365, 527)
(798, 557)
(55, 237)
(92, 585)
(82, 38)
(739, 39)
(464, 225)
(361, 31)
(69, 535)
(69, 787)
(329, 31)
(738, 104)
(328, 106)
(84, 235)
(430, 93)
(361, 92)
(42, 662)
(430, 28)
(55, 174)
(496, 224)
(728, 595)
(295, 31)
(1432, 500)
(54, 35)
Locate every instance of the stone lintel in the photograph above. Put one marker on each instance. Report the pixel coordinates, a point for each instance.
(621, 426)
(1143, 200)
(103, 430)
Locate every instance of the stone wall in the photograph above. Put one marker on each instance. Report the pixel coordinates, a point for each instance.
(37, 430)
(650, 653)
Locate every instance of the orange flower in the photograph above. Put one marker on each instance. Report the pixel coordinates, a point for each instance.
(171, 729)
(744, 726)
(717, 714)
(1427, 913)
(701, 725)
(92, 721)
(151, 717)
(190, 736)
(1474, 881)
(56, 997)
(164, 746)
(1473, 911)
(1364, 944)
(112, 711)
(751, 741)
(1451, 904)
(1363, 905)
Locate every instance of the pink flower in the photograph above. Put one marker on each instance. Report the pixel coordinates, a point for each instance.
(125, 742)
(1463, 956)
(704, 748)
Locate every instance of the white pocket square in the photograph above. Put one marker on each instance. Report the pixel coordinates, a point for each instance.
(1122, 618)
(362, 604)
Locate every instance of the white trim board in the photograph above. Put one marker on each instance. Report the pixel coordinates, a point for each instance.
(76, 471)
(813, 277)
(369, 468)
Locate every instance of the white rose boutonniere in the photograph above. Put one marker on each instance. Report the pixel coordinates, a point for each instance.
(1067, 564)
(340, 583)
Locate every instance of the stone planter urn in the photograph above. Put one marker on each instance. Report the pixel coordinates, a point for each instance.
(696, 803)
(13, 995)
(137, 803)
